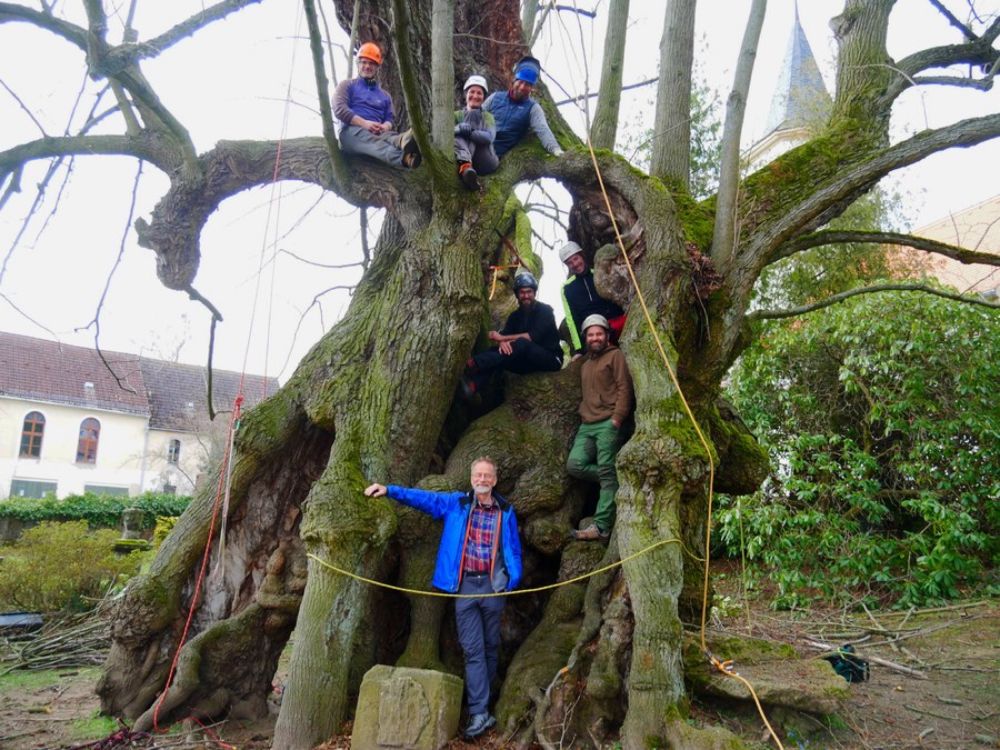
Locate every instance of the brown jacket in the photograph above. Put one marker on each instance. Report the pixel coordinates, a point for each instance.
(607, 387)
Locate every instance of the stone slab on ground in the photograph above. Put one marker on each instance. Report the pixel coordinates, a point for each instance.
(400, 708)
(778, 676)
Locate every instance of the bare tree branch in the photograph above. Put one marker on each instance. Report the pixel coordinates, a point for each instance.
(24, 107)
(216, 318)
(27, 317)
(966, 31)
(95, 323)
(978, 52)
(836, 298)
(605, 125)
(442, 75)
(817, 239)
(594, 94)
(671, 155)
(146, 146)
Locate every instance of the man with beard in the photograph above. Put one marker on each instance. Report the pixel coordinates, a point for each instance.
(365, 113)
(607, 401)
(515, 111)
(529, 341)
(581, 300)
(479, 556)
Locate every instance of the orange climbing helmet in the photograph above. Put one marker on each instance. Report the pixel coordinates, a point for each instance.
(370, 51)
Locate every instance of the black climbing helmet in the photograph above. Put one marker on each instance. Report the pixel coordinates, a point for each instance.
(525, 280)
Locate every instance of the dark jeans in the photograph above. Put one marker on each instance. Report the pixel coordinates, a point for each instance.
(478, 623)
(526, 356)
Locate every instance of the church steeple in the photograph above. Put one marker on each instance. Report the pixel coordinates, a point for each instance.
(800, 97)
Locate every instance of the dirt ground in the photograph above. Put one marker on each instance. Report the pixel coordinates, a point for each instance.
(954, 701)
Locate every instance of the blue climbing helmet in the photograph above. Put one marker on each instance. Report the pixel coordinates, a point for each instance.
(525, 280)
(527, 69)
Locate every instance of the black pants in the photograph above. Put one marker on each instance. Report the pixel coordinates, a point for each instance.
(526, 356)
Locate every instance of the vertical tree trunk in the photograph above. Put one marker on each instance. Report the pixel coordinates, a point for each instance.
(605, 125)
(724, 236)
(671, 157)
(443, 75)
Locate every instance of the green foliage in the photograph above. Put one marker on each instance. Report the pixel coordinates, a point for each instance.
(96, 510)
(882, 416)
(61, 566)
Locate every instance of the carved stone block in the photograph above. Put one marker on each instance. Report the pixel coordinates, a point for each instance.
(406, 709)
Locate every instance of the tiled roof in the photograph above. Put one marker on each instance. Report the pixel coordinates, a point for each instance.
(173, 395)
(178, 393)
(43, 370)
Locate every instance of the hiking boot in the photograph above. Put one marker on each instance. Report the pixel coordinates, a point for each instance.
(469, 176)
(411, 151)
(478, 724)
(591, 534)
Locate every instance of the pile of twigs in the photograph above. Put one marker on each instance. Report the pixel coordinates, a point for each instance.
(69, 641)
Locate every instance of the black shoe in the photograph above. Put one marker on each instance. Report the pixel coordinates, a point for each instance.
(470, 178)
(478, 724)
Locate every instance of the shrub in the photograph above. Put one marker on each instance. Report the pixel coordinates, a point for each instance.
(61, 566)
(881, 417)
(97, 510)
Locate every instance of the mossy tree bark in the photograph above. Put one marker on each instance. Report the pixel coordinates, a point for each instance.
(373, 400)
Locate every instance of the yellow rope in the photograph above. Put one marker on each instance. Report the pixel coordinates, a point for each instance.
(516, 592)
(723, 666)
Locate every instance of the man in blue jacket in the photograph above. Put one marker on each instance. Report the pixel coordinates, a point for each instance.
(479, 555)
(515, 111)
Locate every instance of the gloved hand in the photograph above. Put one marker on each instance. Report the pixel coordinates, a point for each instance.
(481, 137)
(463, 129)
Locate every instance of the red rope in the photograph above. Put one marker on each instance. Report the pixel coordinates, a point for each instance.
(223, 469)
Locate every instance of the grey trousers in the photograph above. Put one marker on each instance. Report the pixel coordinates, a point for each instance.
(384, 147)
(484, 161)
(478, 623)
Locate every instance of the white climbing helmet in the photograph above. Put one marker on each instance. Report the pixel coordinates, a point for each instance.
(568, 250)
(595, 320)
(476, 81)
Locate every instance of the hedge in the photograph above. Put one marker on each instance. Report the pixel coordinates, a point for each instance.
(96, 510)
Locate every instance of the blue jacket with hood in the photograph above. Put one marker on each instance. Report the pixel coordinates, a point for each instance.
(455, 508)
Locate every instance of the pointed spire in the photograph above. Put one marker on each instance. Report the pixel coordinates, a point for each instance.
(800, 97)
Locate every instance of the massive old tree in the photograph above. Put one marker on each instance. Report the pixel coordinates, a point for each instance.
(374, 399)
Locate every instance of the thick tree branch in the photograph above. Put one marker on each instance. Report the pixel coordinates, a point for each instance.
(978, 52)
(408, 65)
(671, 152)
(966, 31)
(146, 146)
(605, 125)
(818, 239)
(9, 12)
(845, 187)
(339, 169)
(836, 298)
(724, 234)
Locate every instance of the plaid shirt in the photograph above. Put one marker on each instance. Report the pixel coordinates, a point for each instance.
(483, 530)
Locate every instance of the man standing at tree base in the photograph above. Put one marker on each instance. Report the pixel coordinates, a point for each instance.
(479, 557)
(607, 401)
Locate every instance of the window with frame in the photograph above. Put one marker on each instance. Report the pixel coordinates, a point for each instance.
(174, 452)
(86, 447)
(31, 435)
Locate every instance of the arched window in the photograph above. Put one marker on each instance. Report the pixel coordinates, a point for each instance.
(174, 452)
(31, 434)
(86, 448)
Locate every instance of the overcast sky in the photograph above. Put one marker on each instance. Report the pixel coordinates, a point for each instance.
(250, 77)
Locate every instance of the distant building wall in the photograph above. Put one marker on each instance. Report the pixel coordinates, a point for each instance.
(118, 464)
(974, 228)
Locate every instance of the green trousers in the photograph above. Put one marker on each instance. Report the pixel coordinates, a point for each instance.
(592, 458)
